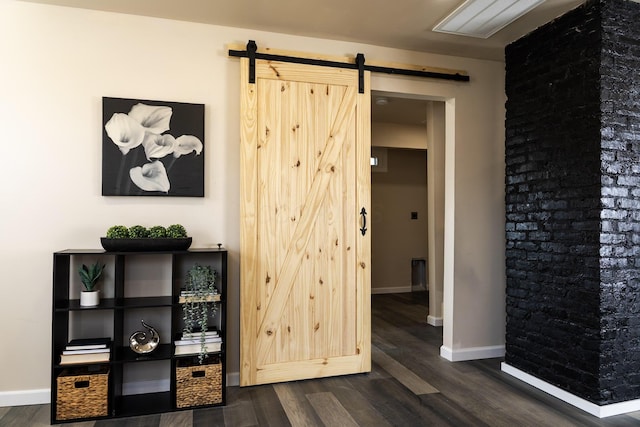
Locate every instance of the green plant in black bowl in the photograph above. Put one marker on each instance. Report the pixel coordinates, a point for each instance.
(138, 232)
(139, 238)
(157, 232)
(118, 232)
(176, 231)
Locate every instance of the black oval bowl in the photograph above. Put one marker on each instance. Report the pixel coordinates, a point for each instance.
(145, 244)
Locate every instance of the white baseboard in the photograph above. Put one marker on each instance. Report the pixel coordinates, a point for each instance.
(471, 353)
(391, 290)
(571, 399)
(434, 321)
(233, 378)
(25, 397)
(43, 396)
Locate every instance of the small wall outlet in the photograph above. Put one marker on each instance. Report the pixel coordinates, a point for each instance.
(414, 215)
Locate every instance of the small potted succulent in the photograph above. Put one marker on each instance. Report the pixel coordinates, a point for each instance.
(89, 277)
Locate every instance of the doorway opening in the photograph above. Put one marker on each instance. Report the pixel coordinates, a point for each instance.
(407, 192)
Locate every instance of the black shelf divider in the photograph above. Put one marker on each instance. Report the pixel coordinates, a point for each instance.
(126, 355)
(143, 404)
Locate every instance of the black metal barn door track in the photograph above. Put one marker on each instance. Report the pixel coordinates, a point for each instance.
(359, 64)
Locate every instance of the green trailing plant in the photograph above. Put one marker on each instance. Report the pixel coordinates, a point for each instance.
(176, 231)
(157, 231)
(196, 311)
(118, 232)
(90, 275)
(138, 231)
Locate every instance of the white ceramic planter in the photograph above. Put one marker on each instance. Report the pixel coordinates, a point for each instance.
(89, 299)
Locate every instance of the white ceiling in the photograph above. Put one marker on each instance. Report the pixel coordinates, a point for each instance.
(404, 111)
(403, 24)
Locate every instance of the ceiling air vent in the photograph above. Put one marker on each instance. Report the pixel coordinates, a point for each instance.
(484, 18)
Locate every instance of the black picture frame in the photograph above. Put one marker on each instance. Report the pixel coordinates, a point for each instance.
(168, 162)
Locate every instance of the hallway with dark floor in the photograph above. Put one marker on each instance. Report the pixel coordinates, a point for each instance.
(409, 385)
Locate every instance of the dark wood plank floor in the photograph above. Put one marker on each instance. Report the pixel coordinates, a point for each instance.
(410, 385)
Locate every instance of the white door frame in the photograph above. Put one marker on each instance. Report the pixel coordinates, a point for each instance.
(381, 85)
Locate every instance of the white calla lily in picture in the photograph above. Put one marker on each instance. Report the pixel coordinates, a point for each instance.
(158, 146)
(125, 132)
(152, 148)
(151, 177)
(186, 144)
(152, 118)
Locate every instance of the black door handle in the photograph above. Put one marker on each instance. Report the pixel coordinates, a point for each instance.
(363, 214)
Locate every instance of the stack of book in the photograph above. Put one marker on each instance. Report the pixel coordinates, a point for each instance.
(190, 343)
(191, 296)
(87, 350)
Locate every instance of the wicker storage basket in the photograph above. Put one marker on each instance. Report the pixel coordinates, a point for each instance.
(198, 385)
(82, 394)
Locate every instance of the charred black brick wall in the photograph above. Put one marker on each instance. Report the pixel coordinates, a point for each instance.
(573, 202)
(620, 225)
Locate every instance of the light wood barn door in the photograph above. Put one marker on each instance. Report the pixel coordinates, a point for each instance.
(305, 264)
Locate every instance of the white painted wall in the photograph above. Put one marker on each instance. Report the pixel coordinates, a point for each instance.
(58, 62)
(474, 263)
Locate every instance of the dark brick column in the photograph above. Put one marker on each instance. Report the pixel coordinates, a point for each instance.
(573, 202)
(620, 201)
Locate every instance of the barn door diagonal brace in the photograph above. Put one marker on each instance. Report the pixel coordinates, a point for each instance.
(252, 53)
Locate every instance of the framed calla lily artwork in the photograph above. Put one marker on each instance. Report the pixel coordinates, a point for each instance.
(152, 148)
